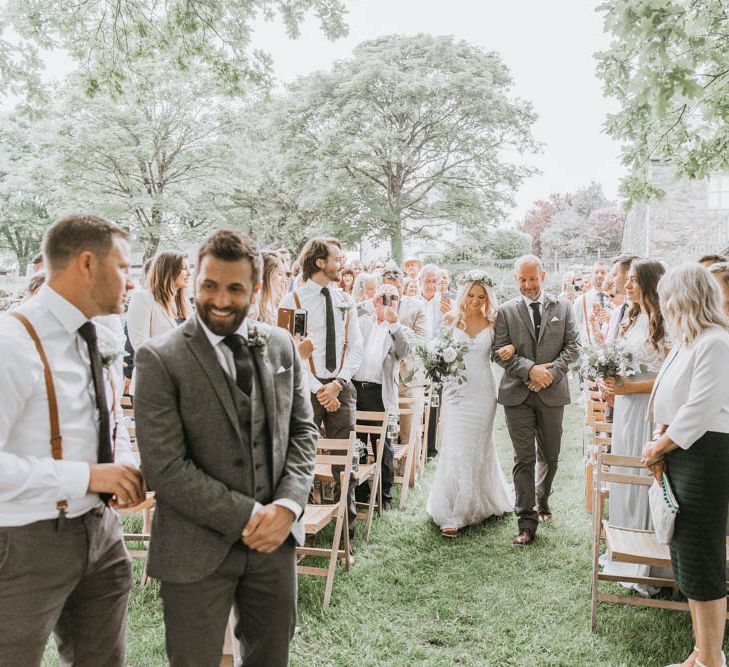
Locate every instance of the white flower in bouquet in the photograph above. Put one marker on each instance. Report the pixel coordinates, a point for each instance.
(111, 346)
(449, 355)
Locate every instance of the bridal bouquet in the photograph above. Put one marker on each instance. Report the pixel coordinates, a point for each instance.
(442, 359)
(610, 361)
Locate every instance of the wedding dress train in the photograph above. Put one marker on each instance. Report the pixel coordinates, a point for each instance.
(469, 484)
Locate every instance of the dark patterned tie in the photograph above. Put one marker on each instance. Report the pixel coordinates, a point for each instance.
(87, 331)
(331, 346)
(537, 317)
(243, 363)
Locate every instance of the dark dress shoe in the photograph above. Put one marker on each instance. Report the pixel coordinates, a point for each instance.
(544, 513)
(386, 506)
(524, 538)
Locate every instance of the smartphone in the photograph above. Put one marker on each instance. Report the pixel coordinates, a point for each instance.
(300, 323)
(387, 300)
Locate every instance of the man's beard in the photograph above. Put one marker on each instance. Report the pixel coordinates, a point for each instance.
(532, 293)
(333, 276)
(226, 328)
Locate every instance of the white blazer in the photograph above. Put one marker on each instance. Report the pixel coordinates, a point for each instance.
(690, 392)
(146, 319)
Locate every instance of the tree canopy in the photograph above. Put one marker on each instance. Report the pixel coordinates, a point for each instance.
(408, 133)
(668, 67)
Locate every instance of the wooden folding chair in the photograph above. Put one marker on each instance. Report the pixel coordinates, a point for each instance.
(427, 398)
(626, 545)
(141, 540)
(316, 517)
(405, 452)
(597, 439)
(373, 425)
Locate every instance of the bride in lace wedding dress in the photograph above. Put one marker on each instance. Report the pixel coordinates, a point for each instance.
(469, 484)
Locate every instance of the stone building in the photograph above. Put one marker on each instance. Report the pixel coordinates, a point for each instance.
(692, 219)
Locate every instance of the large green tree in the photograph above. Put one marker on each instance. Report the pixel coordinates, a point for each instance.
(105, 36)
(668, 67)
(409, 134)
(154, 155)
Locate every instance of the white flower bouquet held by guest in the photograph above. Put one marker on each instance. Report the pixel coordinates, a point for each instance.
(690, 406)
(613, 360)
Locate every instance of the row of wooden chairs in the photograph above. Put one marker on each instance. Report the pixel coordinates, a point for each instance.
(623, 545)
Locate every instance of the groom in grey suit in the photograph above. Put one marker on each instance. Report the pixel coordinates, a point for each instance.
(227, 441)
(534, 388)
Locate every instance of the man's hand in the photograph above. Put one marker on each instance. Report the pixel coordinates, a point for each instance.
(540, 376)
(122, 481)
(533, 387)
(328, 396)
(391, 315)
(445, 304)
(306, 347)
(505, 353)
(268, 528)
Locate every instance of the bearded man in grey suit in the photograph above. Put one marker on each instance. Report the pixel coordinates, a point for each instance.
(534, 388)
(227, 440)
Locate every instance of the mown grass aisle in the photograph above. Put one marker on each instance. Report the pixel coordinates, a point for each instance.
(414, 598)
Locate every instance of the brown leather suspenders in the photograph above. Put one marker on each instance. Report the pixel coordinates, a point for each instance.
(56, 439)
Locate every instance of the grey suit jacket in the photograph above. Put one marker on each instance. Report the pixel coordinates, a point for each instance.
(190, 442)
(558, 343)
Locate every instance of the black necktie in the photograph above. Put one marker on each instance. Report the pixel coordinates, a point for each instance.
(331, 346)
(537, 317)
(243, 363)
(104, 453)
(601, 296)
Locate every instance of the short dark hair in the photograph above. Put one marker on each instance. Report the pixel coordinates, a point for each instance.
(232, 246)
(73, 234)
(314, 250)
(713, 259)
(37, 259)
(625, 261)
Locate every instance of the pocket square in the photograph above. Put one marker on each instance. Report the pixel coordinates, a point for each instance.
(280, 370)
(554, 319)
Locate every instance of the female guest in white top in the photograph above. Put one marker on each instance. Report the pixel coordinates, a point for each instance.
(164, 304)
(690, 406)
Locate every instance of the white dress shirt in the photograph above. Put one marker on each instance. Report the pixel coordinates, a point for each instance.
(227, 361)
(690, 393)
(314, 302)
(529, 302)
(31, 481)
(371, 368)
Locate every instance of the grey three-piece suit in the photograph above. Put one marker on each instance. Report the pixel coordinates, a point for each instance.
(210, 452)
(535, 417)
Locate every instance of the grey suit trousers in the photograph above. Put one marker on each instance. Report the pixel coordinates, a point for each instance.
(262, 589)
(536, 435)
(75, 580)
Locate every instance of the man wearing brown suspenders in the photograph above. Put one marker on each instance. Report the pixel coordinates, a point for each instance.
(65, 460)
(334, 328)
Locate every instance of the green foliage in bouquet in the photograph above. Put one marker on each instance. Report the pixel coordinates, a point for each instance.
(442, 359)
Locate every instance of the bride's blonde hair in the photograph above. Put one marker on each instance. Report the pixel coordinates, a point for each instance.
(465, 284)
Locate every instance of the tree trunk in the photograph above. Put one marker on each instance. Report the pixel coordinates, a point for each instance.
(23, 261)
(396, 242)
(151, 245)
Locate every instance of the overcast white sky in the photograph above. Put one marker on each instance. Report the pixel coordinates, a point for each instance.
(547, 44)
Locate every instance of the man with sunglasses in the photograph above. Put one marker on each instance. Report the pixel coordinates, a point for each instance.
(386, 343)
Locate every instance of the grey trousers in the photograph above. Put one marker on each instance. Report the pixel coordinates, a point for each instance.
(262, 589)
(536, 436)
(338, 425)
(74, 580)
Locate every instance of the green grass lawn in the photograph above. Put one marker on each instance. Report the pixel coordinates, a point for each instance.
(414, 598)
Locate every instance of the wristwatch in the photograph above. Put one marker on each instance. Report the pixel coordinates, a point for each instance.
(342, 383)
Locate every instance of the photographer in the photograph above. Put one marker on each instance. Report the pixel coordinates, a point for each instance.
(386, 344)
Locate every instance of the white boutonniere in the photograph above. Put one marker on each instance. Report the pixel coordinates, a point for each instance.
(256, 337)
(111, 346)
(550, 300)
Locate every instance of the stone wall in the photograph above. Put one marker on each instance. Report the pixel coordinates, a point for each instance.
(678, 226)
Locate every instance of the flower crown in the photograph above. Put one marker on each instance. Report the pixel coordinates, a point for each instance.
(475, 276)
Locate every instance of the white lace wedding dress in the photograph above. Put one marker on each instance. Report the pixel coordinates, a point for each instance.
(469, 484)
